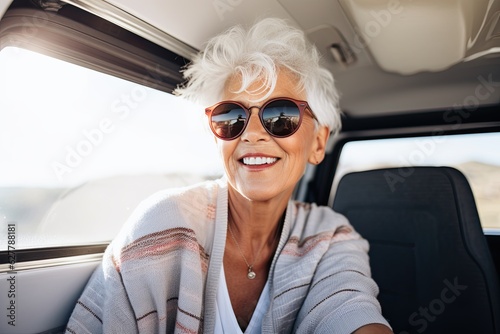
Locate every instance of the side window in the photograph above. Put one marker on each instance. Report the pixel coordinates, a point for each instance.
(80, 149)
(475, 155)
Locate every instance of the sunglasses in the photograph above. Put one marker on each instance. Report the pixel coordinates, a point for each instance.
(281, 117)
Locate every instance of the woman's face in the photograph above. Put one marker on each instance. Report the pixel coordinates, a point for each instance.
(284, 160)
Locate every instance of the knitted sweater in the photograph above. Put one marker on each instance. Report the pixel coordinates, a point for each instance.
(160, 274)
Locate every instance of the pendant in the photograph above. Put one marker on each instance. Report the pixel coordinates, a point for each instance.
(251, 274)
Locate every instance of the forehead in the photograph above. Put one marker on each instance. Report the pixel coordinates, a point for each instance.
(286, 86)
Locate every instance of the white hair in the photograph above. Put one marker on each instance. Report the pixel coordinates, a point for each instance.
(258, 54)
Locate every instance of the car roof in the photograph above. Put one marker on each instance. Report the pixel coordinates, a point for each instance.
(387, 56)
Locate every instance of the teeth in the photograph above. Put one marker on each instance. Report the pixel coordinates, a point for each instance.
(258, 160)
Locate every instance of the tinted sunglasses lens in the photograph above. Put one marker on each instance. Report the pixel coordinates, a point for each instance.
(228, 120)
(281, 118)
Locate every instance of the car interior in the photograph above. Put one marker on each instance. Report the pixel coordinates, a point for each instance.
(89, 128)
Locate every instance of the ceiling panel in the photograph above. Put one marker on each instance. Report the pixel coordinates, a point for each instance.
(194, 22)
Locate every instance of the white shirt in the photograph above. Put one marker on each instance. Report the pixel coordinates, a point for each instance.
(225, 319)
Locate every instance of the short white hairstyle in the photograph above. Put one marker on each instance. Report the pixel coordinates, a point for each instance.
(258, 54)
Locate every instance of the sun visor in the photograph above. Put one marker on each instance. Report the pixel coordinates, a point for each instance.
(410, 36)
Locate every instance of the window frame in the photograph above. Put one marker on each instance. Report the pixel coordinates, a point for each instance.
(81, 38)
(84, 39)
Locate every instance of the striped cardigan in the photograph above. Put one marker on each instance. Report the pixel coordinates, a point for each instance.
(160, 274)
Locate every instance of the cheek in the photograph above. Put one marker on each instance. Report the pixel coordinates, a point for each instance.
(302, 145)
(226, 150)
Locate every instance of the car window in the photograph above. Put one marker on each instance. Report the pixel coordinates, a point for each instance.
(475, 155)
(80, 149)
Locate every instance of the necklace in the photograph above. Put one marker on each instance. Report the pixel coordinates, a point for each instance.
(251, 274)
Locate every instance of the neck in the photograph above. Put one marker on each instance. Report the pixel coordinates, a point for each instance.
(258, 221)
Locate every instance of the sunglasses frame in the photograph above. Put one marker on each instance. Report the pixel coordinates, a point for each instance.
(302, 106)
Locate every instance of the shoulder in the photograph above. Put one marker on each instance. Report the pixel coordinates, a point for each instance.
(315, 229)
(312, 219)
(185, 210)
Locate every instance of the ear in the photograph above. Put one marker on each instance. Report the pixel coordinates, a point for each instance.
(319, 145)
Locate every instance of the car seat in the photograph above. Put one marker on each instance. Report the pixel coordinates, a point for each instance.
(428, 252)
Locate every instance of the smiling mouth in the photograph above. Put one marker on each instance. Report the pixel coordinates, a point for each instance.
(256, 161)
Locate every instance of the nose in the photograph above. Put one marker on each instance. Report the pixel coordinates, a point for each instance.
(254, 130)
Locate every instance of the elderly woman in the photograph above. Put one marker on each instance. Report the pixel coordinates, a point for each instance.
(237, 254)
